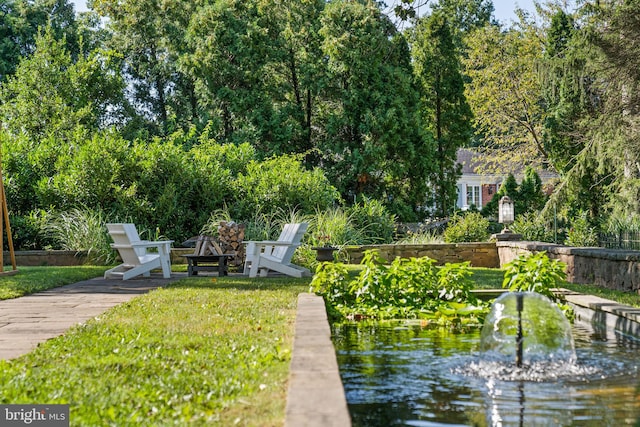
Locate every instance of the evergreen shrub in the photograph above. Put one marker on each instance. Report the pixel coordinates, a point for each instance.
(469, 227)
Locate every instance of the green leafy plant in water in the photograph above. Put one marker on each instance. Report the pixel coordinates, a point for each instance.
(407, 288)
(536, 273)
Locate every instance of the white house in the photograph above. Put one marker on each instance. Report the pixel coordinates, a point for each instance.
(477, 188)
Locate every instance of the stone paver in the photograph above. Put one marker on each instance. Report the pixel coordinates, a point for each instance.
(316, 396)
(27, 321)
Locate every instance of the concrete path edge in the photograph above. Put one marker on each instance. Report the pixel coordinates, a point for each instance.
(315, 396)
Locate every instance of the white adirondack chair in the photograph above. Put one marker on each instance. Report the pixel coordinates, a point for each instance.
(136, 258)
(276, 255)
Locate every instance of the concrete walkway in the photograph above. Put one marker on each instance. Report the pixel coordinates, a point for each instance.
(27, 321)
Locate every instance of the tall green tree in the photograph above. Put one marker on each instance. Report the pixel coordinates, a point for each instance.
(53, 95)
(612, 137)
(505, 92)
(464, 16)
(445, 112)
(373, 145)
(295, 75)
(230, 49)
(565, 90)
(20, 21)
(151, 36)
(531, 196)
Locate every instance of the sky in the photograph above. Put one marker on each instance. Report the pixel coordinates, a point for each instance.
(503, 8)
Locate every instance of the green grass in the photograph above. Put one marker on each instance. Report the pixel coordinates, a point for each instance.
(202, 352)
(34, 279)
(487, 278)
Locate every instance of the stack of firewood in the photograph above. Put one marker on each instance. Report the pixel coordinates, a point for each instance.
(230, 237)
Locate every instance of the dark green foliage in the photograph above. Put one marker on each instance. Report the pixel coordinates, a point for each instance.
(565, 92)
(530, 196)
(26, 232)
(509, 187)
(527, 197)
(372, 144)
(444, 107)
(20, 22)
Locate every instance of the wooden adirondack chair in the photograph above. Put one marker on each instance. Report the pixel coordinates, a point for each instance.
(136, 258)
(276, 255)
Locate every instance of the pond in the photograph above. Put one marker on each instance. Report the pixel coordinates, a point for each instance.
(413, 375)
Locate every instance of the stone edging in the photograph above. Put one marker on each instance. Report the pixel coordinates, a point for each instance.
(603, 314)
(316, 394)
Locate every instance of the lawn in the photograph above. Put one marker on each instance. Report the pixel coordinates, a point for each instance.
(34, 279)
(491, 278)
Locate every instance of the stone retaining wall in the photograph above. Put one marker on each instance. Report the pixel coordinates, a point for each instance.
(479, 254)
(609, 268)
(40, 258)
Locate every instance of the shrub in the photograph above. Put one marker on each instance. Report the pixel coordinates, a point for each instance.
(533, 227)
(82, 230)
(581, 233)
(282, 182)
(470, 227)
(373, 220)
(26, 231)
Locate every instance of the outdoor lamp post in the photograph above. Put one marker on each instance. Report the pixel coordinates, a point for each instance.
(506, 213)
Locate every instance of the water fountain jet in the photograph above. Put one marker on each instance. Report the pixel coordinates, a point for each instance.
(530, 329)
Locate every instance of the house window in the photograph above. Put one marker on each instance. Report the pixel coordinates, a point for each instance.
(473, 195)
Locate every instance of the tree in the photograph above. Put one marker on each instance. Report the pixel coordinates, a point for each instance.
(464, 17)
(151, 36)
(611, 148)
(20, 21)
(566, 87)
(48, 108)
(530, 196)
(295, 76)
(373, 145)
(445, 111)
(51, 95)
(505, 92)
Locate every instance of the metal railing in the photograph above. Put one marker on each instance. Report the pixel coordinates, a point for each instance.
(620, 240)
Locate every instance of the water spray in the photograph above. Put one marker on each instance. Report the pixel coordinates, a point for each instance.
(519, 338)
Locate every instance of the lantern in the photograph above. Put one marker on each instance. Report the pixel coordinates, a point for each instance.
(506, 213)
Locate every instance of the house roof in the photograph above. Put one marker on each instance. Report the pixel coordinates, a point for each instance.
(473, 162)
